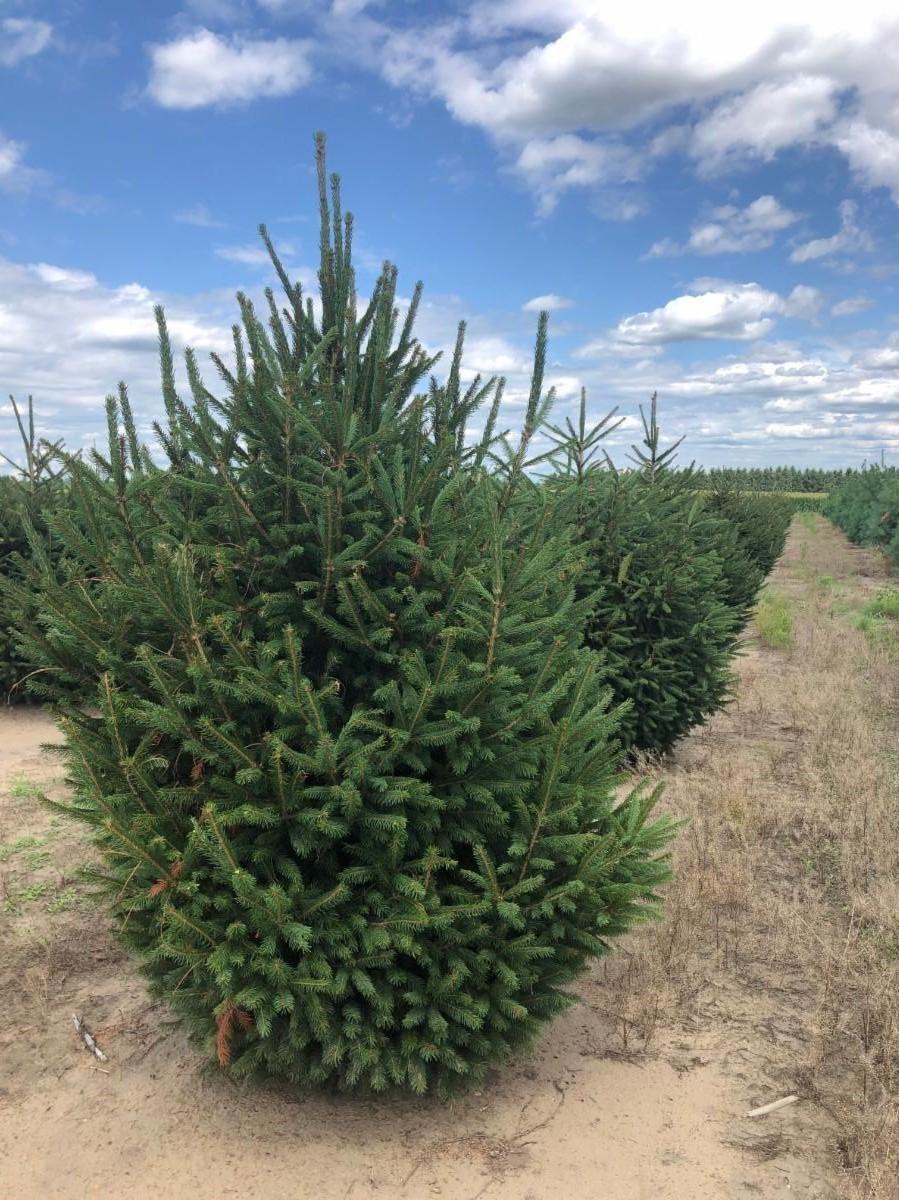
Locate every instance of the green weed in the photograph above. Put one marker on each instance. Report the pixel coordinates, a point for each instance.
(23, 788)
(774, 621)
(64, 901)
(868, 625)
(27, 895)
(823, 863)
(885, 604)
(8, 849)
(876, 618)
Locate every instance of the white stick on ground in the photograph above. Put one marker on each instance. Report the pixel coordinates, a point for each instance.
(772, 1107)
(88, 1038)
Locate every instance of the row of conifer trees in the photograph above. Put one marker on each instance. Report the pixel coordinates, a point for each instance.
(781, 479)
(866, 508)
(346, 679)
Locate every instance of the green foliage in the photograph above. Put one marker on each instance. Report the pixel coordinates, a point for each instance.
(779, 479)
(866, 508)
(25, 842)
(353, 773)
(760, 522)
(24, 498)
(27, 895)
(661, 619)
(23, 788)
(884, 605)
(64, 901)
(796, 502)
(878, 628)
(668, 585)
(774, 620)
(741, 575)
(12, 540)
(674, 560)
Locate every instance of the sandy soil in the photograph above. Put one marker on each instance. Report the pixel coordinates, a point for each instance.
(580, 1117)
(585, 1116)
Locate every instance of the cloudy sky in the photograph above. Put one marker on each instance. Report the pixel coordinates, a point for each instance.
(705, 197)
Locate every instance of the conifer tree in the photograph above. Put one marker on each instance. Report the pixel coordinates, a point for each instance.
(760, 521)
(353, 770)
(662, 612)
(866, 508)
(33, 487)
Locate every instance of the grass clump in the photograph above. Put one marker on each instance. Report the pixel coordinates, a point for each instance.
(28, 895)
(774, 621)
(885, 605)
(22, 788)
(8, 849)
(64, 901)
(877, 617)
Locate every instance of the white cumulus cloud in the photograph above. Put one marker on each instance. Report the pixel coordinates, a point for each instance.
(554, 165)
(67, 338)
(764, 120)
(850, 306)
(732, 230)
(714, 310)
(849, 238)
(548, 303)
(203, 69)
(872, 149)
(66, 279)
(580, 94)
(790, 404)
(253, 255)
(15, 174)
(200, 216)
(21, 38)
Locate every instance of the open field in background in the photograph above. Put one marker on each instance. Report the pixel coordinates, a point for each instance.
(774, 971)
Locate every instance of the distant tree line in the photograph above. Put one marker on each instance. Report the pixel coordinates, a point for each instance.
(780, 479)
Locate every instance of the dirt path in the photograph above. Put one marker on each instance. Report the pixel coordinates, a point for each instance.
(639, 1093)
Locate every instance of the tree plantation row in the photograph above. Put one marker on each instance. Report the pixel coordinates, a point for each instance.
(812, 481)
(866, 508)
(347, 676)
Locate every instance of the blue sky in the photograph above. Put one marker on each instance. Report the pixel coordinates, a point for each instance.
(709, 207)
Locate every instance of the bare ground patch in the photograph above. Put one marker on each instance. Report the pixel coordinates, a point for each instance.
(773, 972)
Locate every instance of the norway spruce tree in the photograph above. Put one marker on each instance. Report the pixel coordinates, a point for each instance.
(33, 486)
(351, 768)
(760, 521)
(866, 508)
(658, 578)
